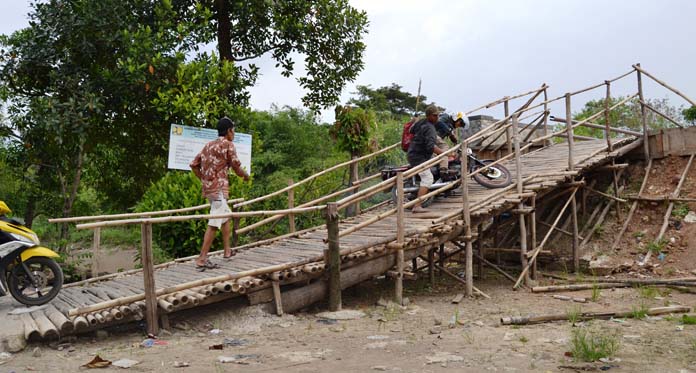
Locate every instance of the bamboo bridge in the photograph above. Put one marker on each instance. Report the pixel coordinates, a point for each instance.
(292, 271)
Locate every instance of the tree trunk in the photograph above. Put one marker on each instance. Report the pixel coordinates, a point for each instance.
(224, 30)
(69, 200)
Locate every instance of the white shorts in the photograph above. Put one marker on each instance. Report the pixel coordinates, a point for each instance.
(426, 178)
(219, 207)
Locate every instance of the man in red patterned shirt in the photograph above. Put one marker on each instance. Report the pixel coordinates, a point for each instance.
(211, 166)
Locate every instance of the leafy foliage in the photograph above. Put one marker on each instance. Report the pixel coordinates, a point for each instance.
(388, 99)
(353, 129)
(176, 190)
(690, 114)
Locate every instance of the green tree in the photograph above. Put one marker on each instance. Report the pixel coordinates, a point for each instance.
(690, 114)
(388, 99)
(327, 33)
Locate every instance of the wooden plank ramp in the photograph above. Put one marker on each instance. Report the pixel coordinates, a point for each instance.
(302, 256)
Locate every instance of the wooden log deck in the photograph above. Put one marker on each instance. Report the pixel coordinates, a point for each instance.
(288, 265)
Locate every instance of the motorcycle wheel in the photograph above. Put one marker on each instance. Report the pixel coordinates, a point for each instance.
(494, 177)
(49, 279)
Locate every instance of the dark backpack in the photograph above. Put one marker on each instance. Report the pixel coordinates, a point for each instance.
(407, 135)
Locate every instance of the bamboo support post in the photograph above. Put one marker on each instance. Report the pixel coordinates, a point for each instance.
(466, 216)
(452, 275)
(149, 279)
(571, 167)
(480, 251)
(354, 209)
(546, 237)
(431, 268)
(96, 244)
(632, 210)
(533, 235)
(400, 237)
(291, 205)
(277, 299)
(508, 131)
(520, 189)
(333, 257)
(643, 116)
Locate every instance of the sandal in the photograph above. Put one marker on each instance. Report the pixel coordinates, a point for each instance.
(228, 257)
(207, 265)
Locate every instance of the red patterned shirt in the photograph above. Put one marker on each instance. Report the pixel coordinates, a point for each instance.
(214, 162)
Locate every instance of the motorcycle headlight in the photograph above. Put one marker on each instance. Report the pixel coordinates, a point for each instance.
(34, 238)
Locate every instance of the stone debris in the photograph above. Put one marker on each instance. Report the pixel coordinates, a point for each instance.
(342, 315)
(442, 357)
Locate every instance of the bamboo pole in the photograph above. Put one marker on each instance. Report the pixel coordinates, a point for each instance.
(660, 82)
(546, 237)
(661, 114)
(532, 224)
(658, 198)
(400, 237)
(466, 216)
(354, 209)
(522, 320)
(170, 219)
(571, 167)
(291, 205)
(273, 218)
(598, 126)
(520, 189)
(605, 195)
(148, 280)
(508, 131)
(136, 214)
(333, 257)
(610, 148)
(96, 243)
(643, 116)
(324, 172)
(452, 275)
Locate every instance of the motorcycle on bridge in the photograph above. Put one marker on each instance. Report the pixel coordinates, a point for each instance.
(496, 176)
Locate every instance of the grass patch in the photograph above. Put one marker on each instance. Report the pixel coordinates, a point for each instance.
(596, 292)
(638, 234)
(639, 312)
(656, 246)
(688, 320)
(573, 314)
(680, 210)
(591, 346)
(648, 292)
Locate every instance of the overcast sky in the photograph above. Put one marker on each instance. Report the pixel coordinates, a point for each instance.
(471, 52)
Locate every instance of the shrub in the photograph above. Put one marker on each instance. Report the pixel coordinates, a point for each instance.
(178, 190)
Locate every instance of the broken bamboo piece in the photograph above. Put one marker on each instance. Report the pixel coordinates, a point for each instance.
(526, 320)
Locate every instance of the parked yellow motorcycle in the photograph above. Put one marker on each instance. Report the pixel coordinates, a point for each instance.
(27, 270)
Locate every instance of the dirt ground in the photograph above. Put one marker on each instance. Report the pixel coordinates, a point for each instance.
(430, 335)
